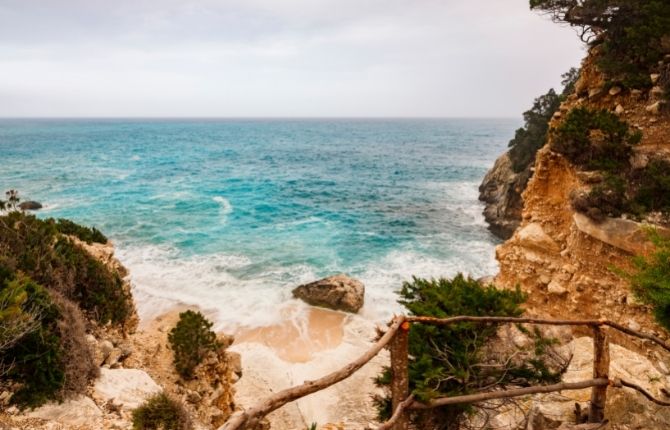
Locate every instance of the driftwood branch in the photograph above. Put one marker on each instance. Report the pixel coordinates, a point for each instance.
(645, 393)
(517, 392)
(541, 321)
(249, 418)
(397, 414)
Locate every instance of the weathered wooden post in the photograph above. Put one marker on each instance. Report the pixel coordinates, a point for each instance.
(601, 366)
(399, 348)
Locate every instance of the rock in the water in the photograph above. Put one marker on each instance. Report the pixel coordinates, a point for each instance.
(338, 292)
(81, 411)
(30, 205)
(126, 387)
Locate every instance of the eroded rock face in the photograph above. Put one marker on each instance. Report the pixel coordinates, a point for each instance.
(339, 292)
(501, 191)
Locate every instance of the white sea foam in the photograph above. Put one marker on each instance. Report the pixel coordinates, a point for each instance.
(163, 278)
(226, 207)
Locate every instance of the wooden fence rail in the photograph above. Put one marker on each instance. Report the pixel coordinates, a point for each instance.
(397, 339)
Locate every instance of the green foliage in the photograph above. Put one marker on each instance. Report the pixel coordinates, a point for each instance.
(651, 280)
(447, 360)
(191, 339)
(36, 248)
(160, 412)
(86, 234)
(605, 199)
(37, 359)
(653, 188)
(633, 34)
(533, 135)
(595, 139)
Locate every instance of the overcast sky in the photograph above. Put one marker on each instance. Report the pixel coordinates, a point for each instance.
(279, 58)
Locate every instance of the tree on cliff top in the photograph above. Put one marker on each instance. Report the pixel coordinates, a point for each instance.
(533, 135)
(634, 34)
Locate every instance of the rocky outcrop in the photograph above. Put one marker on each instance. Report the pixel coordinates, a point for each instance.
(501, 192)
(30, 205)
(339, 292)
(127, 388)
(627, 235)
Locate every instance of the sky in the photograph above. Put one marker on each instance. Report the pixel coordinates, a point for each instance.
(277, 58)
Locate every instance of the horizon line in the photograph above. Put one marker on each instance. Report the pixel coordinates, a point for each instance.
(248, 117)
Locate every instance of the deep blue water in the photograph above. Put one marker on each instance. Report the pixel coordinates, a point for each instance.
(231, 214)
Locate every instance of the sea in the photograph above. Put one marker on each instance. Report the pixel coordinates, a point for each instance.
(231, 214)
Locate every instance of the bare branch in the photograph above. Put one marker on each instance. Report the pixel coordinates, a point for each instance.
(645, 393)
(480, 397)
(397, 413)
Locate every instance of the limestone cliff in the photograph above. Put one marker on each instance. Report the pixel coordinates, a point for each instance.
(564, 260)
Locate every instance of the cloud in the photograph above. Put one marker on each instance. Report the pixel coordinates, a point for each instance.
(277, 58)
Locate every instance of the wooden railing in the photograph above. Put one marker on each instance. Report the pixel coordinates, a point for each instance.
(397, 340)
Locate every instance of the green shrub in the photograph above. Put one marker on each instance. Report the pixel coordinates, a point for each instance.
(607, 199)
(448, 360)
(86, 234)
(36, 248)
(595, 139)
(191, 339)
(653, 187)
(36, 360)
(651, 280)
(160, 412)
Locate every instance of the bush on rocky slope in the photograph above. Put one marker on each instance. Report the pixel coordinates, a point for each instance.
(595, 140)
(37, 248)
(449, 361)
(191, 339)
(160, 412)
(49, 358)
(47, 284)
(85, 234)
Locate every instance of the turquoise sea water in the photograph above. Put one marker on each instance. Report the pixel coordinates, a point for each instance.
(231, 214)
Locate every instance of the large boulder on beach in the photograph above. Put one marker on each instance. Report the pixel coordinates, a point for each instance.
(339, 292)
(30, 205)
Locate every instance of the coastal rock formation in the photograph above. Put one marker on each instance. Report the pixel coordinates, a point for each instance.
(564, 261)
(501, 191)
(30, 205)
(339, 292)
